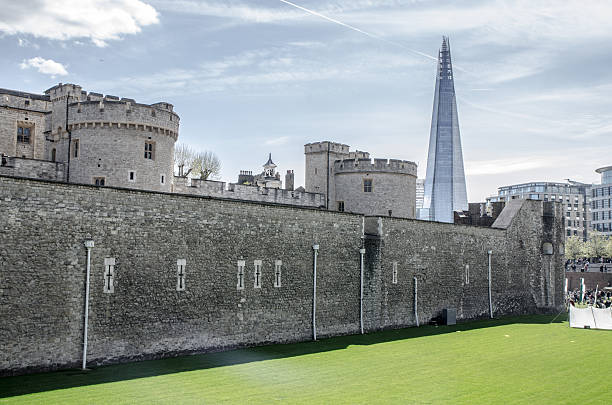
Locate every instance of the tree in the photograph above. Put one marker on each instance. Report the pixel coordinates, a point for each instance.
(206, 165)
(573, 247)
(598, 244)
(183, 157)
(609, 248)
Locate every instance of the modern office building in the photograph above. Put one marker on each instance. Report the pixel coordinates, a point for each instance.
(420, 192)
(575, 197)
(601, 202)
(445, 190)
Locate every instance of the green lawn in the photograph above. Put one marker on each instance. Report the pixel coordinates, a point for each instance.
(512, 360)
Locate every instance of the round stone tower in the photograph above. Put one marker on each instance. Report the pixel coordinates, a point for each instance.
(385, 187)
(118, 142)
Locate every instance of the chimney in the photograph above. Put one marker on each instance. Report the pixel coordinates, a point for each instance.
(289, 180)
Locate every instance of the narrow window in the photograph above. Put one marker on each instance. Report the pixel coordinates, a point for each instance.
(341, 206)
(99, 181)
(467, 274)
(315, 170)
(132, 175)
(367, 185)
(180, 274)
(109, 275)
(257, 264)
(277, 273)
(240, 285)
(75, 148)
(162, 179)
(149, 152)
(394, 279)
(53, 153)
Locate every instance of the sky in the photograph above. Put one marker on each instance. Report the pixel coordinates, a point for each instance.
(252, 77)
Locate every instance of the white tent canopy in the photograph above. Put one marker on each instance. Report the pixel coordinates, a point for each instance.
(593, 318)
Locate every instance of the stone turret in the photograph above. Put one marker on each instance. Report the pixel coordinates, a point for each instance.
(353, 182)
(320, 158)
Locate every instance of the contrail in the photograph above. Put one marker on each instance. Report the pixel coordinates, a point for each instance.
(359, 30)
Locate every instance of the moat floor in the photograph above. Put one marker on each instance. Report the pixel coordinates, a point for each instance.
(512, 360)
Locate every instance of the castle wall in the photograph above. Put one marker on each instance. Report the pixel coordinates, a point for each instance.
(22, 109)
(43, 258)
(219, 189)
(32, 168)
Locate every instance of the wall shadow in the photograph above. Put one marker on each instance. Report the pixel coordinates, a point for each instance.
(33, 383)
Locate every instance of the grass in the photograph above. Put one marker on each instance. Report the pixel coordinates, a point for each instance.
(512, 360)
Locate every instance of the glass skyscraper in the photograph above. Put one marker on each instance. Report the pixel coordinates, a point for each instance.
(445, 190)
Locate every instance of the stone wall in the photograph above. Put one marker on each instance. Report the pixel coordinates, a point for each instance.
(210, 188)
(319, 158)
(32, 168)
(115, 152)
(392, 192)
(43, 258)
(24, 110)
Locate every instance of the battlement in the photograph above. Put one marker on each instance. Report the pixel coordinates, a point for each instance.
(379, 165)
(325, 146)
(246, 172)
(359, 155)
(75, 91)
(23, 94)
(61, 90)
(122, 114)
(245, 192)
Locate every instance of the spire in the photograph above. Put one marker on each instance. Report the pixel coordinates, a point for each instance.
(445, 190)
(270, 162)
(445, 44)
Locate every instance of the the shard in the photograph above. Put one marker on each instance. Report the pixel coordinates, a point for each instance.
(445, 190)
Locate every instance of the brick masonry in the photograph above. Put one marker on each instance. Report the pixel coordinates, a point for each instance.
(591, 280)
(42, 254)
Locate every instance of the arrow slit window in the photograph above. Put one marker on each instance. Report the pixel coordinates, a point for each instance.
(180, 274)
(109, 275)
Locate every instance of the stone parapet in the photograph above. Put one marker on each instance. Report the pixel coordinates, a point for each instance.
(121, 114)
(379, 165)
(32, 168)
(325, 146)
(210, 188)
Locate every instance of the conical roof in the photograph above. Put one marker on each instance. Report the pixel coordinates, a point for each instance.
(269, 163)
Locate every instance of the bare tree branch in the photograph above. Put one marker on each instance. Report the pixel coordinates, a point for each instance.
(206, 165)
(183, 157)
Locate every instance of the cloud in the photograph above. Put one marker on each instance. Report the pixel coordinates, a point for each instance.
(97, 20)
(45, 66)
(281, 140)
(230, 9)
(262, 71)
(24, 43)
(499, 166)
